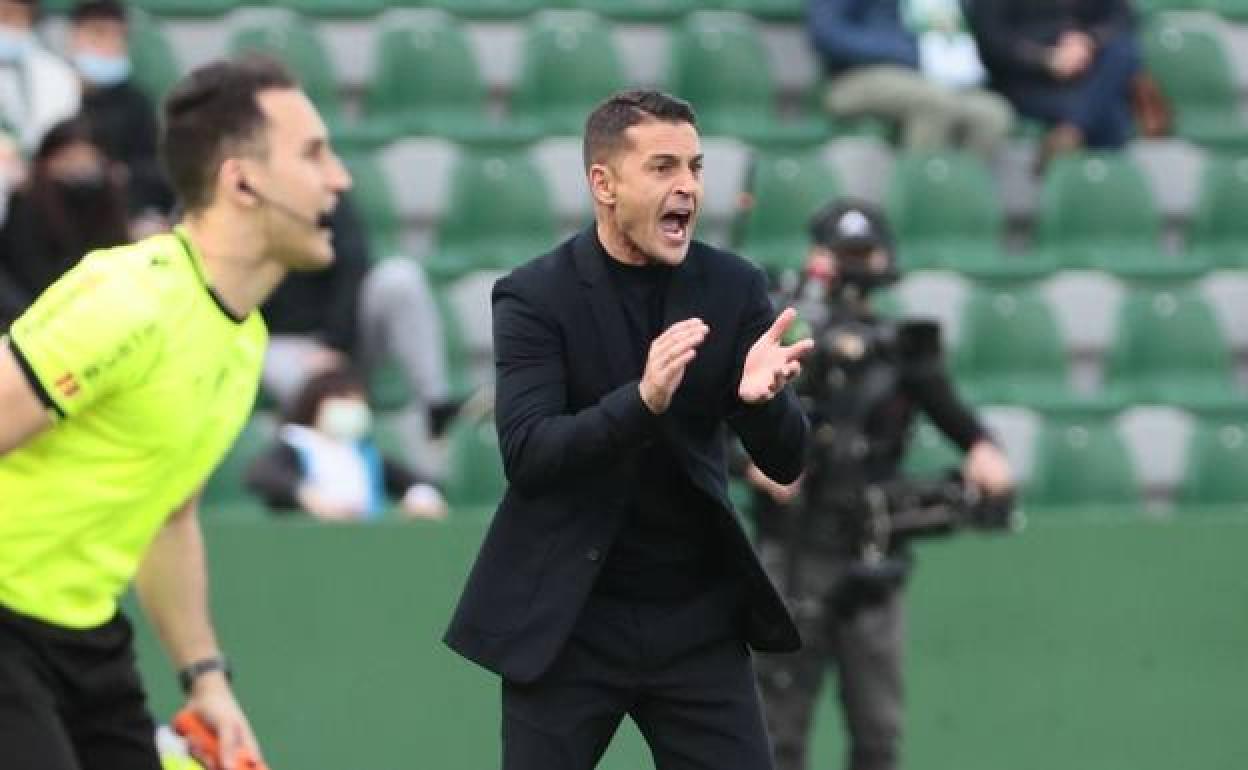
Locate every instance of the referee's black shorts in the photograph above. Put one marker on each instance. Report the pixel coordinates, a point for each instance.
(71, 700)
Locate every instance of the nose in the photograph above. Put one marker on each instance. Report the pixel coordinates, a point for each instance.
(339, 177)
(688, 185)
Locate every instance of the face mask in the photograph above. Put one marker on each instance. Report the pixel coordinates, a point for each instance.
(102, 71)
(345, 419)
(13, 44)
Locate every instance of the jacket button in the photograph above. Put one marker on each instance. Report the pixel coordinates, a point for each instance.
(593, 554)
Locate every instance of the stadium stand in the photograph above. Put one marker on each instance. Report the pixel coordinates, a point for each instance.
(1080, 462)
(990, 364)
(1107, 247)
(785, 190)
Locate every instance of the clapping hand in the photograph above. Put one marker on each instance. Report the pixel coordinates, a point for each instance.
(770, 365)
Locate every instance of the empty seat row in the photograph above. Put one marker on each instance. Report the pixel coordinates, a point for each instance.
(426, 79)
(1095, 212)
(625, 10)
(1098, 464)
(1168, 349)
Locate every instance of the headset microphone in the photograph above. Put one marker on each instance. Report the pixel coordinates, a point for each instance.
(323, 220)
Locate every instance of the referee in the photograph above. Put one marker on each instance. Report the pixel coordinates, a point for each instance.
(120, 390)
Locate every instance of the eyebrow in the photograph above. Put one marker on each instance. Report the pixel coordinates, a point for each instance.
(666, 157)
(315, 144)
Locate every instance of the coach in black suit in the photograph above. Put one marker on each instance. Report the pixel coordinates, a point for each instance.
(615, 579)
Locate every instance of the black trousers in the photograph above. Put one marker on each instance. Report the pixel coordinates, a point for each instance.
(682, 673)
(71, 700)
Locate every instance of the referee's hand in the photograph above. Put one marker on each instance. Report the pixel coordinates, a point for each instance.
(212, 698)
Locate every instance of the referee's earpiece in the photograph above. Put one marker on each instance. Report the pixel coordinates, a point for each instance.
(244, 187)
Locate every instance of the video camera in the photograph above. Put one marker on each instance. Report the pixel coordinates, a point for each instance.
(907, 509)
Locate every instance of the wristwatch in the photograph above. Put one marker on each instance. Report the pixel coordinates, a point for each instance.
(188, 675)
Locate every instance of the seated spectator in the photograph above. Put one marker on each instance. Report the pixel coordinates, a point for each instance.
(120, 114)
(1067, 63)
(70, 204)
(37, 89)
(324, 462)
(923, 73)
(356, 311)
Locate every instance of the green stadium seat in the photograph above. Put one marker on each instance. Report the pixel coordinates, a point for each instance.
(1082, 464)
(499, 215)
(475, 475)
(570, 63)
(335, 9)
(458, 358)
(771, 10)
(451, 105)
(226, 488)
(1217, 461)
(637, 10)
(1194, 71)
(1150, 7)
(720, 65)
(930, 454)
(294, 41)
(486, 9)
(388, 388)
(786, 189)
(1236, 10)
(163, 8)
(1218, 233)
(1010, 350)
(1170, 350)
(947, 214)
(374, 199)
(1097, 212)
(152, 59)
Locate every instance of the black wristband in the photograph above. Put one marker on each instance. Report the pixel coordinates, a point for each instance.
(188, 675)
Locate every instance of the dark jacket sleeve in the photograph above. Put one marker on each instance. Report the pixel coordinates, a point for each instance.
(542, 444)
(351, 263)
(275, 475)
(1006, 48)
(845, 39)
(775, 432)
(932, 389)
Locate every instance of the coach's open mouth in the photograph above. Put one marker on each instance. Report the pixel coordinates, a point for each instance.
(674, 224)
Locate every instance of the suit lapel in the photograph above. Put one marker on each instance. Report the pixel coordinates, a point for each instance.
(619, 362)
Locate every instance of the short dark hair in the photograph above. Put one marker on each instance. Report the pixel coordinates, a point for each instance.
(335, 381)
(75, 130)
(605, 127)
(98, 10)
(210, 113)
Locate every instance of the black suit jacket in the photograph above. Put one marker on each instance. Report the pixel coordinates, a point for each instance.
(570, 417)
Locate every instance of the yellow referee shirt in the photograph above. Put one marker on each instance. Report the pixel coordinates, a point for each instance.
(150, 380)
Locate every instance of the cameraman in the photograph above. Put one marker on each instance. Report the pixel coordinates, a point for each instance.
(861, 388)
